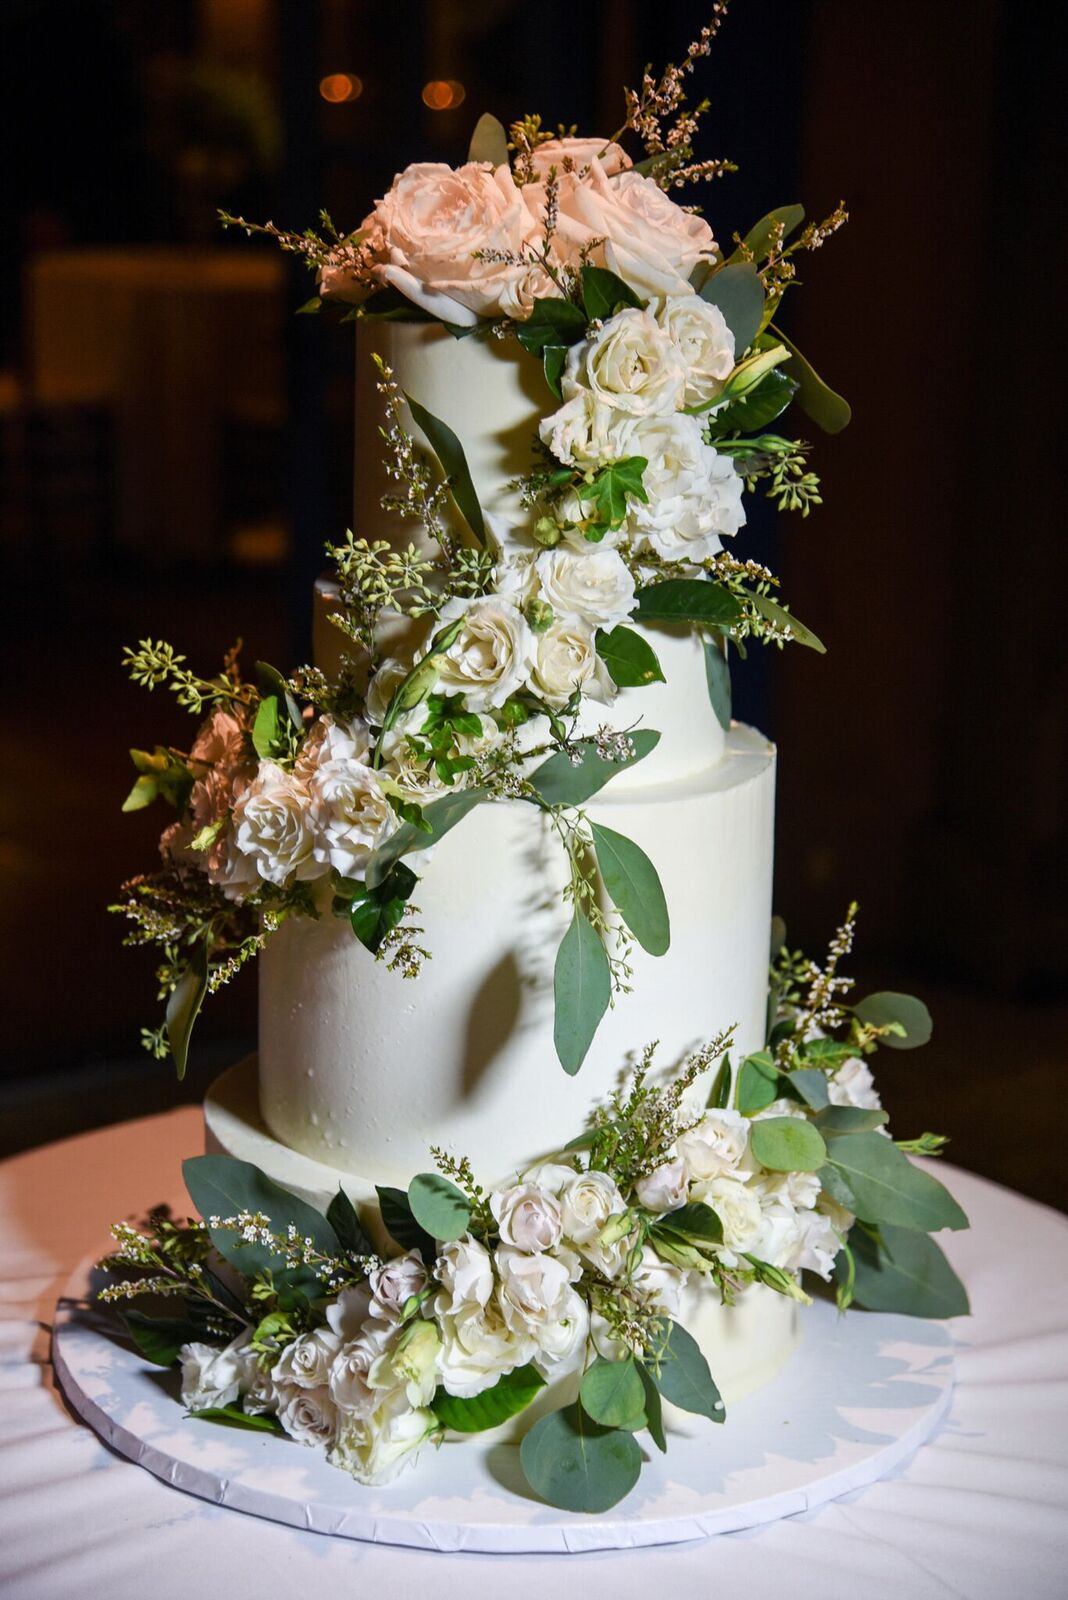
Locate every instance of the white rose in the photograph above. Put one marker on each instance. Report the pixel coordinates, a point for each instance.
(665, 1188)
(492, 656)
(700, 334)
(695, 494)
(527, 1217)
(553, 1176)
(591, 586)
(586, 1203)
(307, 1415)
(374, 1447)
(429, 228)
(350, 1385)
(329, 740)
(575, 154)
(566, 659)
(273, 826)
(393, 1284)
(659, 1282)
(536, 1298)
(477, 1346)
(210, 1376)
(465, 1272)
(715, 1145)
(347, 1314)
(307, 1361)
(628, 364)
(350, 814)
(410, 1362)
(853, 1085)
(737, 1208)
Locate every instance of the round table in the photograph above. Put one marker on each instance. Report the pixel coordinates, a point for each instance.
(981, 1511)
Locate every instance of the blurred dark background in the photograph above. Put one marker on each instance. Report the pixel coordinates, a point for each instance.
(175, 448)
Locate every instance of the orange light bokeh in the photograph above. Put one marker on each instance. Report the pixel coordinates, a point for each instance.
(443, 94)
(339, 87)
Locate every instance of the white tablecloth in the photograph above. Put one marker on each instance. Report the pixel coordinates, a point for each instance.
(981, 1511)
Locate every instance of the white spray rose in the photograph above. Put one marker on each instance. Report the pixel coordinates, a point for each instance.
(477, 1346)
(715, 1145)
(350, 814)
(737, 1208)
(465, 1272)
(307, 1361)
(566, 659)
(492, 656)
(307, 1415)
(393, 1284)
(584, 432)
(853, 1085)
(527, 1217)
(212, 1377)
(375, 1447)
(700, 334)
(695, 494)
(665, 1188)
(586, 1203)
(593, 586)
(350, 1385)
(628, 364)
(537, 1299)
(273, 826)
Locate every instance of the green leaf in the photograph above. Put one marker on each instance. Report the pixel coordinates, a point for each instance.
(887, 1188)
(267, 728)
(220, 1186)
(630, 659)
(184, 1005)
(344, 1219)
(374, 913)
(687, 600)
(553, 359)
(811, 1085)
(776, 613)
(758, 1083)
(611, 1393)
(719, 1096)
(738, 292)
(582, 986)
(400, 1223)
(232, 1416)
(787, 1144)
(551, 321)
(684, 1378)
(450, 453)
(558, 783)
(905, 1272)
(576, 1464)
(511, 1394)
(489, 141)
(696, 1222)
(442, 815)
(833, 1121)
(389, 305)
(816, 398)
(271, 682)
(634, 887)
(159, 1339)
(752, 411)
(718, 678)
(439, 1206)
(310, 307)
(654, 1414)
(758, 239)
(880, 1010)
(610, 486)
(603, 293)
(142, 794)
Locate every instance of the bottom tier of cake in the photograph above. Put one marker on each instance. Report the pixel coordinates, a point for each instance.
(745, 1344)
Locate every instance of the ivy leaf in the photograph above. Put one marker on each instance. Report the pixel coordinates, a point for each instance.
(603, 293)
(718, 678)
(558, 783)
(489, 141)
(551, 321)
(220, 1186)
(511, 1394)
(439, 1207)
(450, 453)
(879, 1010)
(787, 1144)
(683, 1376)
(752, 411)
(811, 1085)
(611, 1393)
(159, 1339)
(654, 1411)
(610, 487)
(630, 659)
(634, 888)
(442, 815)
(738, 292)
(816, 398)
(232, 1416)
(183, 1006)
(906, 1272)
(374, 913)
(399, 1222)
(344, 1219)
(582, 988)
(687, 600)
(758, 1082)
(578, 1465)
(887, 1188)
(778, 614)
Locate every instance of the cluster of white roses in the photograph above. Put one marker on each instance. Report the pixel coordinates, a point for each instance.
(361, 1386)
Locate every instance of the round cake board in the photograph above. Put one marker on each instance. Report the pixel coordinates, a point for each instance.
(858, 1396)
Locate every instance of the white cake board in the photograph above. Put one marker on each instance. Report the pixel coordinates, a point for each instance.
(859, 1395)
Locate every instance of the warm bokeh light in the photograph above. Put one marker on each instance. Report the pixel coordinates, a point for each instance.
(337, 87)
(443, 94)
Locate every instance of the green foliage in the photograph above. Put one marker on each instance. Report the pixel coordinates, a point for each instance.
(162, 773)
(222, 1187)
(159, 1339)
(903, 1271)
(511, 1394)
(553, 361)
(582, 989)
(629, 657)
(772, 229)
(833, 1121)
(687, 600)
(738, 292)
(576, 1464)
(450, 453)
(682, 1376)
(400, 1223)
(232, 1416)
(634, 887)
(884, 1186)
(654, 1413)
(758, 1082)
(183, 1006)
(551, 322)
(271, 682)
(375, 912)
(344, 1219)
(752, 411)
(688, 1237)
(612, 1393)
(489, 141)
(816, 398)
(439, 1207)
(907, 1018)
(718, 679)
(603, 293)
(442, 815)
(787, 1144)
(811, 1086)
(608, 490)
(783, 618)
(561, 782)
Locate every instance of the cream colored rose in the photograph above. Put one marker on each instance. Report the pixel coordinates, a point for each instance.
(477, 1346)
(581, 432)
(393, 1284)
(700, 334)
(627, 364)
(536, 1298)
(566, 659)
(410, 1362)
(349, 1379)
(694, 494)
(715, 1146)
(492, 656)
(307, 1361)
(307, 1415)
(373, 1448)
(273, 826)
(593, 586)
(350, 814)
(663, 1189)
(578, 154)
(465, 1271)
(210, 1376)
(527, 1217)
(586, 1203)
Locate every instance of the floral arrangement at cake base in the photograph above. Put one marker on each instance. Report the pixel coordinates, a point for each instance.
(448, 1311)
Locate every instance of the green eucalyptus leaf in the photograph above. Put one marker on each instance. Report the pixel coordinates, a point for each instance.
(879, 1010)
(683, 1377)
(582, 987)
(904, 1271)
(776, 613)
(309, 307)
(816, 398)
(886, 1188)
(511, 1394)
(559, 783)
(603, 293)
(654, 1413)
(833, 1121)
(220, 1186)
(611, 1393)
(687, 600)
(758, 1082)
(344, 1219)
(738, 292)
(811, 1085)
(634, 887)
(439, 1207)
(489, 141)
(374, 913)
(232, 1416)
(787, 1144)
(400, 1223)
(183, 1006)
(758, 240)
(718, 679)
(577, 1465)
(629, 657)
(450, 453)
(159, 1339)
(442, 815)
